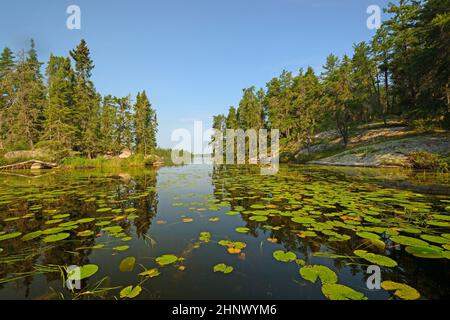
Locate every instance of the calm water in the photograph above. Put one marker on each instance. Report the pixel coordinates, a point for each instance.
(322, 215)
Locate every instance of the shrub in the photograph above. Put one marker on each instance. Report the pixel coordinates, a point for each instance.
(429, 161)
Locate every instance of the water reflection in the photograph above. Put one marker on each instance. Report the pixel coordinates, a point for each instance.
(157, 212)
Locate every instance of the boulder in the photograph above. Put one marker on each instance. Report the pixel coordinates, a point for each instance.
(125, 154)
(36, 166)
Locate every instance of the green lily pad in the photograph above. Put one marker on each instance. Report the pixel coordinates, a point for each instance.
(223, 268)
(166, 259)
(127, 264)
(86, 220)
(258, 218)
(121, 248)
(83, 272)
(408, 241)
(205, 237)
(303, 220)
(56, 237)
(368, 235)
(335, 291)
(435, 239)
(130, 292)
(85, 233)
(242, 230)
(425, 252)
(311, 273)
(284, 256)
(402, 291)
(151, 273)
(10, 236)
(31, 235)
(376, 258)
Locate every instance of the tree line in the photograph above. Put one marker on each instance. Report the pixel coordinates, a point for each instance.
(403, 72)
(62, 109)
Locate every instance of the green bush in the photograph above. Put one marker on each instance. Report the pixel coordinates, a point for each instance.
(423, 125)
(428, 161)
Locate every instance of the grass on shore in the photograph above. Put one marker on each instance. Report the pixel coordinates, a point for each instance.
(102, 163)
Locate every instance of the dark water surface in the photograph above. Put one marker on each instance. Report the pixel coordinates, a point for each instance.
(322, 215)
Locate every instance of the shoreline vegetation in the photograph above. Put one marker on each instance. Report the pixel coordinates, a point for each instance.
(386, 104)
(359, 107)
(59, 117)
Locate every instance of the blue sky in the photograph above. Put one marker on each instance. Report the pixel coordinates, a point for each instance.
(193, 57)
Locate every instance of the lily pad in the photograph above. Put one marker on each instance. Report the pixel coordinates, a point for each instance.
(85, 233)
(284, 256)
(130, 292)
(425, 252)
(223, 268)
(10, 236)
(376, 258)
(368, 235)
(409, 241)
(258, 218)
(121, 248)
(335, 291)
(435, 239)
(402, 291)
(127, 264)
(150, 273)
(56, 237)
(311, 273)
(83, 272)
(166, 259)
(31, 235)
(242, 230)
(205, 237)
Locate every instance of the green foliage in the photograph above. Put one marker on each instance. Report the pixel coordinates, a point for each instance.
(429, 161)
(67, 114)
(145, 124)
(403, 71)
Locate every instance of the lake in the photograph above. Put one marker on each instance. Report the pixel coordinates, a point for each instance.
(198, 232)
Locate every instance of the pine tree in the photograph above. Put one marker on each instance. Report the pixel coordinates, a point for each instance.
(308, 107)
(108, 121)
(25, 100)
(232, 121)
(145, 125)
(7, 65)
(338, 97)
(58, 112)
(405, 45)
(6, 62)
(249, 112)
(367, 91)
(124, 123)
(381, 50)
(86, 102)
(280, 97)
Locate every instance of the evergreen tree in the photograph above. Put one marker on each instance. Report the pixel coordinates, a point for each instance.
(86, 102)
(307, 104)
(145, 125)
(7, 65)
(58, 112)
(124, 123)
(6, 62)
(232, 121)
(249, 112)
(367, 91)
(108, 121)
